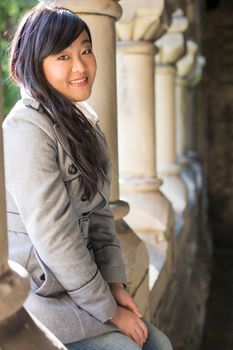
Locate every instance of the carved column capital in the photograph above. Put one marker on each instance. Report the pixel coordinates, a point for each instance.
(179, 22)
(143, 20)
(98, 7)
(196, 74)
(172, 44)
(186, 63)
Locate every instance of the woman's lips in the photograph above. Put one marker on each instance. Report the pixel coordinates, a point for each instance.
(79, 82)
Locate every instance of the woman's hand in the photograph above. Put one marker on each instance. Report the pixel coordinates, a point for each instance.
(123, 298)
(130, 325)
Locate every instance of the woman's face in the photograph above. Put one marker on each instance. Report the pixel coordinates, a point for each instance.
(72, 71)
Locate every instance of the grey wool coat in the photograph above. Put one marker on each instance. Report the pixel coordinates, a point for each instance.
(67, 243)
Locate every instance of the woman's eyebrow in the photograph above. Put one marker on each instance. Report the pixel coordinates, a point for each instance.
(86, 41)
(83, 42)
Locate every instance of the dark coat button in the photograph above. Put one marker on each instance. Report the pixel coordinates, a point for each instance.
(84, 198)
(72, 169)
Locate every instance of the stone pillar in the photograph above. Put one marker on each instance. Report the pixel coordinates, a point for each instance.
(201, 136)
(18, 329)
(101, 17)
(193, 127)
(135, 55)
(172, 47)
(150, 212)
(184, 67)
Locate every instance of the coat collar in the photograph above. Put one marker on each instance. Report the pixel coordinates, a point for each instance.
(88, 112)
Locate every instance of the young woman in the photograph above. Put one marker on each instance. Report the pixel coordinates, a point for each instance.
(57, 177)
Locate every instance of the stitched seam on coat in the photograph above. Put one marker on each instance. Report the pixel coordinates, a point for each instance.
(29, 255)
(22, 232)
(75, 311)
(70, 291)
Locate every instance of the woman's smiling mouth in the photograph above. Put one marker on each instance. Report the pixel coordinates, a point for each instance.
(79, 82)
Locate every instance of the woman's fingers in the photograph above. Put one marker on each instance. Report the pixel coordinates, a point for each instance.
(123, 298)
(140, 337)
(144, 329)
(130, 325)
(133, 307)
(141, 331)
(136, 337)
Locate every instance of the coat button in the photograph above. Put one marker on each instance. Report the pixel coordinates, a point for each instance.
(72, 169)
(84, 198)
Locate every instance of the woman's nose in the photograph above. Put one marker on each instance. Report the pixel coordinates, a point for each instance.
(78, 65)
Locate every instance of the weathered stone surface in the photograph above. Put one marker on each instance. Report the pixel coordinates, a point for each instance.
(24, 332)
(141, 295)
(181, 314)
(134, 255)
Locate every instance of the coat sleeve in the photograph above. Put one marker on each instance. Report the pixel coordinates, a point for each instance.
(106, 245)
(34, 180)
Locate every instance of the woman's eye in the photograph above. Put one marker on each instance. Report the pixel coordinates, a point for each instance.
(87, 51)
(63, 58)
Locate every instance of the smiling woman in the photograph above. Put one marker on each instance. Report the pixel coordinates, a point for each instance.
(39, 65)
(72, 71)
(58, 175)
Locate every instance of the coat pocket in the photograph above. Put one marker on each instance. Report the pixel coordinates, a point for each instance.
(46, 282)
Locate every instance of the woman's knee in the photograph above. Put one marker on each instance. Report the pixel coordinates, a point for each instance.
(113, 341)
(156, 340)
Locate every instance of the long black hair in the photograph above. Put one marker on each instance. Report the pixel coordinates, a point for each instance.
(48, 31)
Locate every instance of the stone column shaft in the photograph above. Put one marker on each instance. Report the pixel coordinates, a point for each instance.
(184, 67)
(173, 187)
(181, 112)
(191, 122)
(193, 87)
(135, 91)
(139, 185)
(171, 48)
(182, 137)
(165, 119)
(193, 129)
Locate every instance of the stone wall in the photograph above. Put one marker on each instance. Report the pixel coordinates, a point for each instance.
(182, 311)
(218, 50)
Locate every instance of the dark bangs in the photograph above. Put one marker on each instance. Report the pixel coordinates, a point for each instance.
(62, 28)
